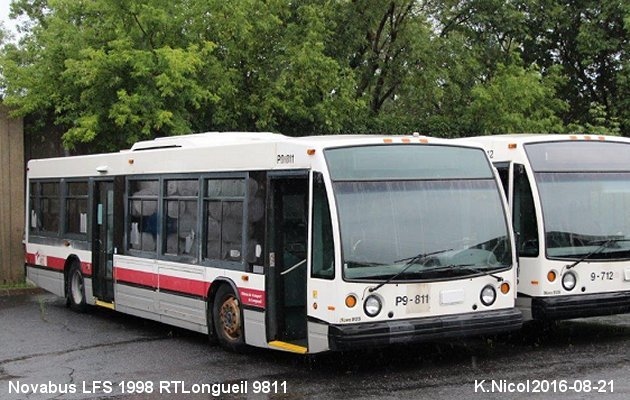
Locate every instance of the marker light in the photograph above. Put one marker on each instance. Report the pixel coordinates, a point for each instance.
(351, 301)
(488, 295)
(505, 288)
(569, 280)
(372, 306)
(551, 276)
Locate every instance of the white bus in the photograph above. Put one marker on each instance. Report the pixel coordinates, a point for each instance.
(299, 244)
(570, 201)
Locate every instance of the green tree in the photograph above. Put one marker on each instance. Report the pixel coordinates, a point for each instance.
(280, 77)
(110, 69)
(516, 100)
(111, 72)
(589, 40)
(482, 82)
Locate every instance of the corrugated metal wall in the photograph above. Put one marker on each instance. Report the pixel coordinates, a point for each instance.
(11, 198)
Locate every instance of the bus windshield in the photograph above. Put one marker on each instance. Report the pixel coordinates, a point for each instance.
(583, 210)
(436, 207)
(584, 190)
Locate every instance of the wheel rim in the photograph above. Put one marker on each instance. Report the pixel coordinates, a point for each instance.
(230, 317)
(76, 288)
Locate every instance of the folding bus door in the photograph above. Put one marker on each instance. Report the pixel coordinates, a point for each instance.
(287, 220)
(106, 237)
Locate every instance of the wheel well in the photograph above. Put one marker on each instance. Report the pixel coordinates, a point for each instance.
(212, 292)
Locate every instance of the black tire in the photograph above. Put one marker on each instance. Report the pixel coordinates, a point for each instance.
(212, 334)
(75, 289)
(227, 317)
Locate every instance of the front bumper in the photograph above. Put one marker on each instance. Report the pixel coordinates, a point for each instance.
(581, 305)
(382, 333)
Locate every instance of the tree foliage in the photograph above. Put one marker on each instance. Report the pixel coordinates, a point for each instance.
(110, 72)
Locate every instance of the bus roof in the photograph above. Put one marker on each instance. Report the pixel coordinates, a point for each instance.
(212, 139)
(214, 151)
(524, 138)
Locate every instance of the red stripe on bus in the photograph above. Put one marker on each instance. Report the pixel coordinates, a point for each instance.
(184, 285)
(29, 258)
(56, 263)
(136, 277)
(86, 268)
(249, 297)
(51, 262)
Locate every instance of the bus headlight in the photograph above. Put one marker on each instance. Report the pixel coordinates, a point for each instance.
(488, 295)
(569, 280)
(372, 306)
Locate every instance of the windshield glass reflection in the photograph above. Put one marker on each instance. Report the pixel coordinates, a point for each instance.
(445, 228)
(583, 210)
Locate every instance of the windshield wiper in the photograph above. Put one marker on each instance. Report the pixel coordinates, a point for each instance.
(421, 256)
(354, 264)
(599, 249)
(468, 267)
(410, 261)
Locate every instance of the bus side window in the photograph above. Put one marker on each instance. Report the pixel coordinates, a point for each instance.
(143, 218)
(255, 220)
(223, 229)
(524, 214)
(503, 168)
(34, 219)
(180, 218)
(323, 248)
(50, 207)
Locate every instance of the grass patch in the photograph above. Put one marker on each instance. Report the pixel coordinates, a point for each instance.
(17, 285)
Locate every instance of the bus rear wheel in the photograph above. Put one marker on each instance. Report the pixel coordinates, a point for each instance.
(75, 289)
(228, 319)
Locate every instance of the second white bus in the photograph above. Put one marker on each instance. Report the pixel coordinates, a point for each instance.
(570, 200)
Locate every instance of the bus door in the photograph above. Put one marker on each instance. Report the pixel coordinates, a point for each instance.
(104, 239)
(287, 220)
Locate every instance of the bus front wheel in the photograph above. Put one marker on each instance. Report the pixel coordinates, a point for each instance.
(228, 319)
(75, 289)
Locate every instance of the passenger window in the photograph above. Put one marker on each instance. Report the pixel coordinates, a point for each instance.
(503, 169)
(256, 184)
(223, 208)
(143, 215)
(524, 214)
(180, 220)
(323, 247)
(76, 208)
(49, 207)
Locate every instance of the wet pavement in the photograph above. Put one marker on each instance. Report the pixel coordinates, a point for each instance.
(48, 351)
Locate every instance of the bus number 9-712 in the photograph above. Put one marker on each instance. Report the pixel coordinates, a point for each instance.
(602, 276)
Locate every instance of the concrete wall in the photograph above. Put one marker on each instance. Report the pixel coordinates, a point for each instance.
(11, 198)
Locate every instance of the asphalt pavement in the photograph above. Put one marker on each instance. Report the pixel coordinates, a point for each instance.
(48, 351)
